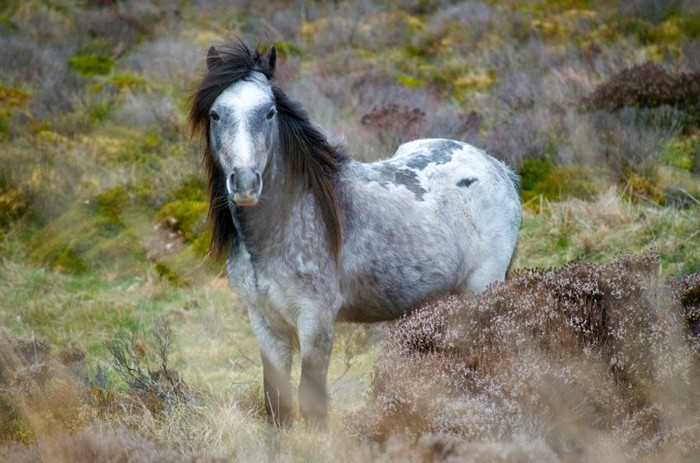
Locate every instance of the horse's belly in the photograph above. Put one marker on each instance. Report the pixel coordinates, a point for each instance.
(387, 292)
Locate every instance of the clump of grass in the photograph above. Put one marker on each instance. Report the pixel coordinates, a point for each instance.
(574, 358)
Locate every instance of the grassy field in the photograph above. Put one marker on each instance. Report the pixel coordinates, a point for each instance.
(119, 341)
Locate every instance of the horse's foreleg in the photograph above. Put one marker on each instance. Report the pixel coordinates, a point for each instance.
(316, 342)
(276, 352)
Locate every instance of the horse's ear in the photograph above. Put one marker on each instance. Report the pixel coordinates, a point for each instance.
(272, 59)
(213, 58)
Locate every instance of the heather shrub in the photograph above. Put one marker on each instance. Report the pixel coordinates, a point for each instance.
(647, 85)
(96, 443)
(40, 392)
(686, 290)
(567, 356)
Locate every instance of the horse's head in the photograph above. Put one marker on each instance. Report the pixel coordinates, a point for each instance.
(242, 130)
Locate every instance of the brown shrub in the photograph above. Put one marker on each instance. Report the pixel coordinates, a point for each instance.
(94, 444)
(583, 359)
(144, 365)
(647, 85)
(40, 392)
(687, 291)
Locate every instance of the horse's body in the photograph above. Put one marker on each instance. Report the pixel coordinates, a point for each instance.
(332, 239)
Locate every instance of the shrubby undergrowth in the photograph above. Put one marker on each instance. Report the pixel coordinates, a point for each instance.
(591, 362)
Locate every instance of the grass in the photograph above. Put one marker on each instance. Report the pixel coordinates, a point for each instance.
(102, 231)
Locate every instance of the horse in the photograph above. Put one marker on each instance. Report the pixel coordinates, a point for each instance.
(312, 237)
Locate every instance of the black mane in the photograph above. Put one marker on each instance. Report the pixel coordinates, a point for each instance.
(311, 161)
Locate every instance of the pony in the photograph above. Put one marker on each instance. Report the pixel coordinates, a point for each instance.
(312, 237)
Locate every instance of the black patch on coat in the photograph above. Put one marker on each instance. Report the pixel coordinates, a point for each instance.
(398, 176)
(440, 153)
(465, 182)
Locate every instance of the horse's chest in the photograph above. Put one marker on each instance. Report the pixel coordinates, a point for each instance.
(279, 288)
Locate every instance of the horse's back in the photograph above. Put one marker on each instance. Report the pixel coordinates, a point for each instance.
(439, 216)
(478, 197)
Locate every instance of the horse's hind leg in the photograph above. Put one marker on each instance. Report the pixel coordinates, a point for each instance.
(316, 342)
(276, 351)
(480, 278)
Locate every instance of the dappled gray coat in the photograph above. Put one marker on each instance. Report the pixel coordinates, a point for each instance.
(313, 237)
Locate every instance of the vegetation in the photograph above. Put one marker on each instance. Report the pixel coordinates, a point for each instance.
(120, 341)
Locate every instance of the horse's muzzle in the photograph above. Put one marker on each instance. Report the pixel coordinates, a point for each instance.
(244, 187)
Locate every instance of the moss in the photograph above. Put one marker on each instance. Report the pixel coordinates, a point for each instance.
(110, 206)
(410, 82)
(690, 25)
(680, 152)
(12, 204)
(91, 65)
(186, 217)
(541, 177)
(534, 171)
(200, 245)
(190, 189)
(128, 81)
(13, 96)
(167, 273)
(68, 261)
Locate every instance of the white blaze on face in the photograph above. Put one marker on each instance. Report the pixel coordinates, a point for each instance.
(238, 101)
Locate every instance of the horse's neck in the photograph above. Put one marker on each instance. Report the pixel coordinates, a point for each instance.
(276, 219)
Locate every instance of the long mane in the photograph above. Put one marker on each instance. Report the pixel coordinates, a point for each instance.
(310, 160)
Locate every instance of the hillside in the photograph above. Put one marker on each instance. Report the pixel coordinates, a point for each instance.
(118, 337)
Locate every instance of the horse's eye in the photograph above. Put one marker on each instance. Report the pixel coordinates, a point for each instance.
(271, 114)
(214, 115)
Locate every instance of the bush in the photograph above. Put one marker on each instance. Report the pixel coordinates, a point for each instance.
(575, 357)
(647, 85)
(40, 392)
(144, 366)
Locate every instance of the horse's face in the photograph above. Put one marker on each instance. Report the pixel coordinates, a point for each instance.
(242, 128)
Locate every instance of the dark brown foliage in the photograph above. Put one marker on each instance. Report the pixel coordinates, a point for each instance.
(559, 354)
(647, 85)
(687, 291)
